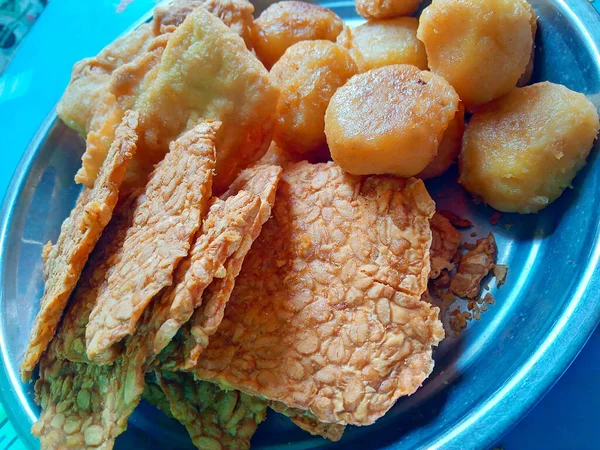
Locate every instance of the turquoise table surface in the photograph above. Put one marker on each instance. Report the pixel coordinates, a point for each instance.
(566, 418)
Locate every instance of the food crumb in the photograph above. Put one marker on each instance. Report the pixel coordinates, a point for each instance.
(489, 299)
(500, 271)
(495, 218)
(473, 234)
(456, 220)
(508, 225)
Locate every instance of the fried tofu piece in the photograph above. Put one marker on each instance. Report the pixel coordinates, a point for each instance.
(65, 260)
(444, 244)
(236, 14)
(261, 180)
(473, 266)
(326, 313)
(232, 87)
(167, 215)
(308, 422)
(215, 419)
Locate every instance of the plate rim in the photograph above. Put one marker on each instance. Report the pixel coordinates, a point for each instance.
(485, 423)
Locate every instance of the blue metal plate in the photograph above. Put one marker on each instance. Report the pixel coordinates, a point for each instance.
(484, 380)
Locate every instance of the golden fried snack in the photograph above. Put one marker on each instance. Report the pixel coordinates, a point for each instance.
(116, 390)
(236, 14)
(222, 233)
(308, 74)
(444, 244)
(481, 47)
(285, 23)
(90, 79)
(522, 151)
(77, 401)
(327, 304)
(65, 260)
(526, 76)
(389, 120)
(260, 180)
(166, 218)
(214, 419)
(386, 9)
(232, 87)
(118, 92)
(69, 342)
(381, 43)
(474, 265)
(449, 147)
(308, 422)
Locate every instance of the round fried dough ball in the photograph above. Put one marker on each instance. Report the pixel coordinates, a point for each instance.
(389, 120)
(386, 9)
(385, 42)
(283, 24)
(521, 151)
(481, 47)
(307, 75)
(449, 147)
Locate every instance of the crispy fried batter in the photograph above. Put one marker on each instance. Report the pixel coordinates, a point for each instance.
(80, 232)
(444, 244)
(326, 313)
(261, 181)
(215, 419)
(232, 86)
(166, 218)
(236, 14)
(84, 98)
(310, 423)
(473, 266)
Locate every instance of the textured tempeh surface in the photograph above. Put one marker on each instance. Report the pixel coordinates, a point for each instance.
(326, 314)
(65, 260)
(215, 419)
(167, 216)
(262, 181)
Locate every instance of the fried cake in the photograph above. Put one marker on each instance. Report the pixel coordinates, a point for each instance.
(167, 216)
(326, 315)
(236, 14)
(232, 87)
(65, 260)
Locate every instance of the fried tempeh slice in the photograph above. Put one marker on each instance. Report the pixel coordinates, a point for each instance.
(167, 215)
(262, 181)
(222, 233)
(444, 245)
(326, 314)
(65, 260)
(214, 418)
(69, 342)
(307, 422)
(77, 405)
(236, 14)
(473, 266)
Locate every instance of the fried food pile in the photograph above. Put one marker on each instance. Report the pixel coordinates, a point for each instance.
(216, 279)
